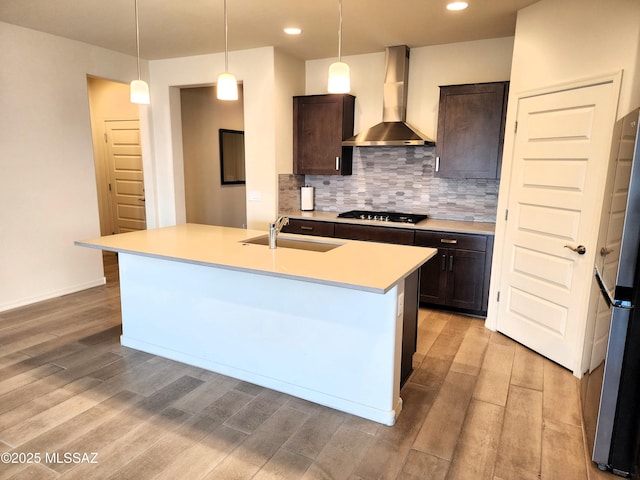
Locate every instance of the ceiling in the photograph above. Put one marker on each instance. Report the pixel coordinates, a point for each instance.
(177, 28)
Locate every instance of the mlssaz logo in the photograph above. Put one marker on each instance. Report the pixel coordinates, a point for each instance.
(71, 457)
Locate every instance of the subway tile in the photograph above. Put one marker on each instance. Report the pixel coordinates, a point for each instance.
(396, 178)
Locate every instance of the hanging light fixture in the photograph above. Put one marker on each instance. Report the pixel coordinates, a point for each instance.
(139, 92)
(227, 85)
(339, 74)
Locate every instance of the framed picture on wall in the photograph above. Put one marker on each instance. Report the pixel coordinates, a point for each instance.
(231, 156)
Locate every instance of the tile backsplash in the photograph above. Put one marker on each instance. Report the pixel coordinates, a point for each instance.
(395, 179)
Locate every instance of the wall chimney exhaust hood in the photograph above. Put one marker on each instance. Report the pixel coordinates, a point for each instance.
(394, 130)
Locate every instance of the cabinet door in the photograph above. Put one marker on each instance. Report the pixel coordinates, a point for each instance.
(321, 123)
(471, 130)
(409, 325)
(433, 279)
(465, 279)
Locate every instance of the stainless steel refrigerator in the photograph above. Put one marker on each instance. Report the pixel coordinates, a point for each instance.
(611, 386)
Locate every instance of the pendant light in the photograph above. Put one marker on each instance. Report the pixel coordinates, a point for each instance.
(227, 85)
(139, 92)
(339, 75)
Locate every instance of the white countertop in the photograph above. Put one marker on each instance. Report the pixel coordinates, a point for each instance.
(374, 267)
(455, 226)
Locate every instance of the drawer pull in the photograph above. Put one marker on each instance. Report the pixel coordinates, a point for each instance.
(303, 227)
(448, 241)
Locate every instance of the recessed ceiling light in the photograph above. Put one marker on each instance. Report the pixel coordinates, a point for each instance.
(292, 31)
(457, 6)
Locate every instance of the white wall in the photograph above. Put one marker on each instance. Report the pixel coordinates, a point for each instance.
(429, 67)
(562, 41)
(262, 109)
(48, 194)
(289, 82)
(207, 200)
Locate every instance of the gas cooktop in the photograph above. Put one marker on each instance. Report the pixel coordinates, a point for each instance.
(383, 216)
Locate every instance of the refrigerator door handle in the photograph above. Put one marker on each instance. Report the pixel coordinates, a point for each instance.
(603, 289)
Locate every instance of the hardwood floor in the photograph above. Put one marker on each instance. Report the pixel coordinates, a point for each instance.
(478, 406)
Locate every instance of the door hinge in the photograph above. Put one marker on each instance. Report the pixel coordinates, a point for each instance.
(498, 297)
(506, 214)
(515, 129)
(109, 187)
(105, 138)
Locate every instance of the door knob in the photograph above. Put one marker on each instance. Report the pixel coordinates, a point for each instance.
(580, 249)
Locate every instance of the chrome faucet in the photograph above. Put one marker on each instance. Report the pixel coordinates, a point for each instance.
(275, 228)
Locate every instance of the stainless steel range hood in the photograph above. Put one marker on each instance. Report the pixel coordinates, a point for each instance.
(394, 130)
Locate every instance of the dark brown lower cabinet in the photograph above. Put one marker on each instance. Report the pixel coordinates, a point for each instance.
(400, 236)
(455, 279)
(409, 325)
(433, 286)
(458, 276)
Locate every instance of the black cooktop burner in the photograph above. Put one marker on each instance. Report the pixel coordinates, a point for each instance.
(383, 216)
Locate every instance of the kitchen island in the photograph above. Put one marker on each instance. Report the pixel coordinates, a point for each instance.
(321, 320)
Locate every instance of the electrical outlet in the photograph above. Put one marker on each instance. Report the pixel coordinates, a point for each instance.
(401, 304)
(255, 196)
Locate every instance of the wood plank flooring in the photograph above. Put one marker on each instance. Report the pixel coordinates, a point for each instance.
(478, 406)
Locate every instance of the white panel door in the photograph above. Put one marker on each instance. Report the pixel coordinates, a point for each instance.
(126, 184)
(560, 159)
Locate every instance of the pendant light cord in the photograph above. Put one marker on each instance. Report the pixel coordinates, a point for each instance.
(226, 44)
(137, 39)
(339, 32)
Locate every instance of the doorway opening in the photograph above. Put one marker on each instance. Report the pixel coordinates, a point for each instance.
(117, 153)
(214, 173)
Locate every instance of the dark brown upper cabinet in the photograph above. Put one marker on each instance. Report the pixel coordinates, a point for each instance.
(320, 124)
(470, 136)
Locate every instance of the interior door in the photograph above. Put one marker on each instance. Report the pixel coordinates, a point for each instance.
(126, 184)
(560, 158)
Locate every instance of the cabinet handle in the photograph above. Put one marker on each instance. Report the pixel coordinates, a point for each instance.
(443, 266)
(437, 164)
(337, 163)
(302, 227)
(451, 263)
(449, 241)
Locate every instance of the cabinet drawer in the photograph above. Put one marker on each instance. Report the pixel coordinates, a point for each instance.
(309, 227)
(399, 236)
(451, 240)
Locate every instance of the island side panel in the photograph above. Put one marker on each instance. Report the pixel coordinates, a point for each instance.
(336, 346)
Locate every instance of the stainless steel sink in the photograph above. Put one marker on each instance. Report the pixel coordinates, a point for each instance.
(297, 243)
